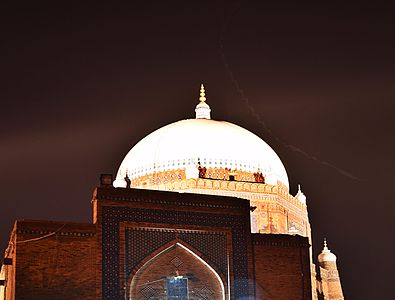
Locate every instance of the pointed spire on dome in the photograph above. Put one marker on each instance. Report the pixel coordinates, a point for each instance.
(325, 245)
(202, 109)
(202, 97)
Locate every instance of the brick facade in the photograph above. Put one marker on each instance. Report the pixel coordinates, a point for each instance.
(139, 230)
(54, 260)
(282, 267)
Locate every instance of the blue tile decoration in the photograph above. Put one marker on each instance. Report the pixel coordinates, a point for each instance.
(208, 244)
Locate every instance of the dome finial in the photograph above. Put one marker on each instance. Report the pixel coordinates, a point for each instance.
(202, 109)
(326, 255)
(325, 245)
(202, 97)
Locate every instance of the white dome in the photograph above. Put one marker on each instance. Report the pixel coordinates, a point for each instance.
(326, 255)
(217, 144)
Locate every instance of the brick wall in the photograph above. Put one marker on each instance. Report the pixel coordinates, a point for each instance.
(282, 267)
(55, 260)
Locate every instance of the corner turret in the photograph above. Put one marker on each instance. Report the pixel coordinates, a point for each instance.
(330, 285)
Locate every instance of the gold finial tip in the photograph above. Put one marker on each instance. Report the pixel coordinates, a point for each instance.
(202, 97)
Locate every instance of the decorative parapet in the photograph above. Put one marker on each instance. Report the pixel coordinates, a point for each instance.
(275, 210)
(242, 181)
(252, 191)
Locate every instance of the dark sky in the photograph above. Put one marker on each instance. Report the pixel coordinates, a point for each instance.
(80, 84)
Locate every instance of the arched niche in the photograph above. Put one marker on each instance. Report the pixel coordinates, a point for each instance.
(175, 269)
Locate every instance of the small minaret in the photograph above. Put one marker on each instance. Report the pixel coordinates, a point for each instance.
(300, 196)
(330, 280)
(202, 109)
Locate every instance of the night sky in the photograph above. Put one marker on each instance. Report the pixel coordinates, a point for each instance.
(81, 84)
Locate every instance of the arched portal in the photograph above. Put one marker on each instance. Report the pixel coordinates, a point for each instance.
(176, 272)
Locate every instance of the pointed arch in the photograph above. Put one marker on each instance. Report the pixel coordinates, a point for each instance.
(175, 259)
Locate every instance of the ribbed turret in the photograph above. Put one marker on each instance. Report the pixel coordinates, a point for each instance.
(330, 280)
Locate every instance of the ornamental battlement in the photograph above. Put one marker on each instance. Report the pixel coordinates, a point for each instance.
(219, 184)
(274, 209)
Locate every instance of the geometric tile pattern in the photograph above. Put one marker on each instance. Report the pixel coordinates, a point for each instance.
(176, 261)
(141, 242)
(148, 292)
(205, 293)
(213, 246)
(113, 215)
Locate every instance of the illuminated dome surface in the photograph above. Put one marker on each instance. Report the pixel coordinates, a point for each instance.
(326, 255)
(216, 144)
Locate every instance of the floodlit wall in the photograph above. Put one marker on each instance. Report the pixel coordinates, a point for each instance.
(55, 260)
